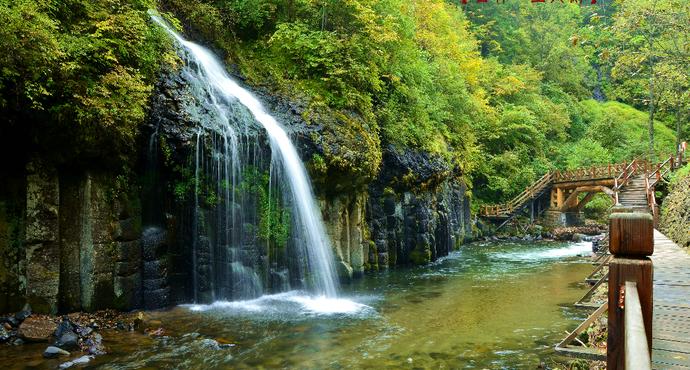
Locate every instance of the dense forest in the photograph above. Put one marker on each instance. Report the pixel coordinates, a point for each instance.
(502, 93)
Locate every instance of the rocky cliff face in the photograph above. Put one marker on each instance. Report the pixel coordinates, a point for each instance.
(413, 213)
(70, 241)
(73, 240)
(675, 213)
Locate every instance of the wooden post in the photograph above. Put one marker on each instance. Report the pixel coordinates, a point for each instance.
(559, 198)
(630, 244)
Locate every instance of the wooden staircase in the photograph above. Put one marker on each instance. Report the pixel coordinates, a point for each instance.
(634, 193)
(506, 212)
(629, 184)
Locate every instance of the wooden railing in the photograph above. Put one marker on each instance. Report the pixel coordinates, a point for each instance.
(661, 170)
(636, 347)
(621, 173)
(589, 173)
(529, 193)
(630, 290)
(657, 172)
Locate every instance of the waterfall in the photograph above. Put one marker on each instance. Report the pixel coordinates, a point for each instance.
(220, 259)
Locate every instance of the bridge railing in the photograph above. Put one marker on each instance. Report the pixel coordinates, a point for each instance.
(621, 173)
(589, 173)
(513, 204)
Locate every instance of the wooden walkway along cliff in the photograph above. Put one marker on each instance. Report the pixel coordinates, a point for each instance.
(671, 317)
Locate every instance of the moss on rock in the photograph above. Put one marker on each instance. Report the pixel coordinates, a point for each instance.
(675, 212)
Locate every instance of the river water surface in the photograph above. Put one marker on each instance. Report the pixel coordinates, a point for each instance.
(495, 305)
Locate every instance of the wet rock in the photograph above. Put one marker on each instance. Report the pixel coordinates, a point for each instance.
(36, 329)
(126, 230)
(577, 237)
(4, 335)
(18, 342)
(93, 345)
(78, 361)
(84, 331)
(68, 340)
(23, 314)
(12, 321)
(157, 298)
(153, 243)
(65, 326)
(52, 352)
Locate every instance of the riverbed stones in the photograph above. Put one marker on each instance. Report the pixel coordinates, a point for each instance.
(65, 336)
(37, 329)
(5, 335)
(52, 352)
(68, 341)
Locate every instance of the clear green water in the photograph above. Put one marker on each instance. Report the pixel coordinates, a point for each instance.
(501, 305)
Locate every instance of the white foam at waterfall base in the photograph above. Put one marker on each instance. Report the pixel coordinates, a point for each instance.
(309, 229)
(284, 305)
(570, 250)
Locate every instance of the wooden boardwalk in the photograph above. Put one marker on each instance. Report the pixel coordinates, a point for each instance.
(671, 326)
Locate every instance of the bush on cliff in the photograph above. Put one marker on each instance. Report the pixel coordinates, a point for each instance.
(675, 211)
(76, 75)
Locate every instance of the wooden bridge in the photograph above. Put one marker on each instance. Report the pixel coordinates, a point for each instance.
(630, 184)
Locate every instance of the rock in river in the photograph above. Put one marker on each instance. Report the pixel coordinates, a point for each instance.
(36, 329)
(4, 335)
(68, 340)
(52, 352)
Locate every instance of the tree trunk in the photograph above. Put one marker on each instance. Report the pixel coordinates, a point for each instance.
(651, 113)
(678, 133)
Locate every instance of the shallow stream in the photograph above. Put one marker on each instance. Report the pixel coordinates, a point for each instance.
(489, 305)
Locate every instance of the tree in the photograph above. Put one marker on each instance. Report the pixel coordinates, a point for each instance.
(653, 56)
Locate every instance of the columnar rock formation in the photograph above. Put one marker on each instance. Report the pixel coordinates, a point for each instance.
(72, 239)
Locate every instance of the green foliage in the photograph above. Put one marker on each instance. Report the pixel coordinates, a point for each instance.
(622, 130)
(501, 93)
(371, 72)
(584, 153)
(679, 175)
(598, 208)
(274, 218)
(80, 71)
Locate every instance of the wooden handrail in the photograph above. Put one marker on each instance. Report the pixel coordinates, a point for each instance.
(636, 346)
(528, 193)
(625, 171)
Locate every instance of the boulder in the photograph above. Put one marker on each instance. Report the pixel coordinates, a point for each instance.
(37, 329)
(68, 340)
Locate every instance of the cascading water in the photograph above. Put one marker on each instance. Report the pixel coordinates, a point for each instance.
(224, 264)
